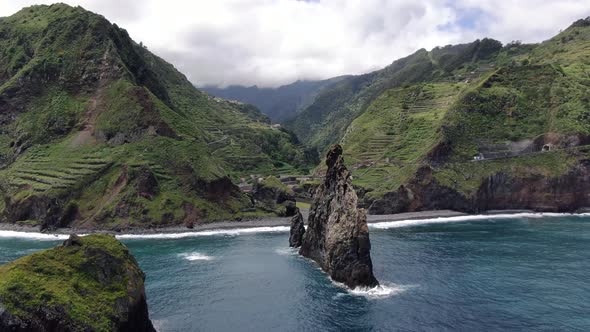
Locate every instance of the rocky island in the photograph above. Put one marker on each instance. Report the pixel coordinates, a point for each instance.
(337, 236)
(89, 283)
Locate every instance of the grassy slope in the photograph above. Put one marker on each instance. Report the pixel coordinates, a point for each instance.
(143, 112)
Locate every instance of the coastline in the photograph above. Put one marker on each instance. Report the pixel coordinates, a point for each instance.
(271, 222)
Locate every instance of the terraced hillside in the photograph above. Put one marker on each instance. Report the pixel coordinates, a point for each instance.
(386, 144)
(470, 127)
(98, 132)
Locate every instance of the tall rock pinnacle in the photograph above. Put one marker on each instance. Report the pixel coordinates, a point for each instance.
(337, 235)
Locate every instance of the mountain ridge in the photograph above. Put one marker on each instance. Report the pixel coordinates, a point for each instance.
(281, 103)
(98, 132)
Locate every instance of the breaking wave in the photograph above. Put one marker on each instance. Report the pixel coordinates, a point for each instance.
(32, 236)
(443, 220)
(196, 256)
(223, 232)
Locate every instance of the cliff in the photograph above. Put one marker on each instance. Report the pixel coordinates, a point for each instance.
(91, 283)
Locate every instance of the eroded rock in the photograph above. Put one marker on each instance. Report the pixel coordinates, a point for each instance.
(337, 235)
(297, 230)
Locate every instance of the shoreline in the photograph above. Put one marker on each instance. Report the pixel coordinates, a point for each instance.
(268, 222)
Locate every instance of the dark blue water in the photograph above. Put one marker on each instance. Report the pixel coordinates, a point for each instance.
(484, 275)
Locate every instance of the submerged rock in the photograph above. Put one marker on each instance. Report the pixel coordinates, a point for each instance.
(337, 235)
(89, 283)
(297, 230)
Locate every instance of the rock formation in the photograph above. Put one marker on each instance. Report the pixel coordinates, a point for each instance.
(337, 235)
(89, 283)
(297, 230)
(569, 192)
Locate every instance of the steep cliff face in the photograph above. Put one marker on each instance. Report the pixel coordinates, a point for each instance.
(536, 191)
(91, 283)
(565, 193)
(337, 237)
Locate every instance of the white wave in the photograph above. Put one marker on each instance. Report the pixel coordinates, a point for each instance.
(381, 291)
(442, 220)
(196, 256)
(32, 236)
(224, 232)
(288, 251)
(384, 290)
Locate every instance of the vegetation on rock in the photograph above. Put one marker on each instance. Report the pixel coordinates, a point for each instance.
(89, 283)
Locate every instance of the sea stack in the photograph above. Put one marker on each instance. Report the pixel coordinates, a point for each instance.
(337, 235)
(297, 230)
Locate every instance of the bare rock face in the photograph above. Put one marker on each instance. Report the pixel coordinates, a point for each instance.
(297, 230)
(337, 235)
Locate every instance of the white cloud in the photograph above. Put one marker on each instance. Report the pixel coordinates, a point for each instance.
(271, 42)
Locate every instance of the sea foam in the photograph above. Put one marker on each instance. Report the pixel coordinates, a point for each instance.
(283, 229)
(384, 290)
(483, 217)
(32, 236)
(222, 232)
(196, 256)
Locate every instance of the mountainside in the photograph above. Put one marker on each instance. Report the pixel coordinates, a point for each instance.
(469, 127)
(280, 103)
(98, 132)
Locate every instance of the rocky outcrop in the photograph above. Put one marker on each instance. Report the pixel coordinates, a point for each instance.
(422, 193)
(566, 193)
(272, 195)
(297, 230)
(337, 235)
(501, 191)
(89, 283)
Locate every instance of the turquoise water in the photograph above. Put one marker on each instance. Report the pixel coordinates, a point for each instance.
(520, 273)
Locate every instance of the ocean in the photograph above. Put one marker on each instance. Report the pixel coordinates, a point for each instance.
(476, 273)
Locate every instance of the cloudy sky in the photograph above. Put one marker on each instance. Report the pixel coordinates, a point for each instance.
(273, 42)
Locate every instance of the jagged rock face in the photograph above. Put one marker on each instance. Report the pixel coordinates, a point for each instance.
(89, 283)
(337, 235)
(297, 230)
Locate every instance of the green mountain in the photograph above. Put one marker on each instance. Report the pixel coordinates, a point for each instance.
(470, 127)
(280, 103)
(98, 132)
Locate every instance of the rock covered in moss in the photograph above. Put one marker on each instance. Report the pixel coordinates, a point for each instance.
(89, 283)
(297, 230)
(337, 235)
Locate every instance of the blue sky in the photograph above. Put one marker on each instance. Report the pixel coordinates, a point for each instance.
(274, 42)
